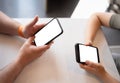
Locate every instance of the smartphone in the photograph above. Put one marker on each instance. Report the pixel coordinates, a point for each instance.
(84, 53)
(48, 33)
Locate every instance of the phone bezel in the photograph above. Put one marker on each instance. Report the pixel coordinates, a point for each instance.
(47, 25)
(77, 53)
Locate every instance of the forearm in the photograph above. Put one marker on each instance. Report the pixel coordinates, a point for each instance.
(94, 24)
(10, 72)
(107, 78)
(8, 25)
(92, 28)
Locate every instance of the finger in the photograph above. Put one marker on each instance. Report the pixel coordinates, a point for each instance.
(87, 68)
(38, 27)
(30, 40)
(50, 43)
(91, 64)
(81, 65)
(42, 48)
(88, 43)
(34, 21)
(84, 66)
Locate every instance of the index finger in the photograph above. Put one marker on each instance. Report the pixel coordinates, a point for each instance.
(38, 26)
(92, 64)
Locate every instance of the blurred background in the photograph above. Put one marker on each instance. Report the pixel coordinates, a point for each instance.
(42, 8)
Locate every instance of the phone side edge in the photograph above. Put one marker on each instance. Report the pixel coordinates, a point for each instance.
(77, 52)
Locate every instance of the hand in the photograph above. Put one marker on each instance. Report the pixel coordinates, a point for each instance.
(94, 68)
(88, 43)
(30, 52)
(31, 28)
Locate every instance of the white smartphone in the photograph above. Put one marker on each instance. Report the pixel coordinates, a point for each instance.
(48, 33)
(84, 53)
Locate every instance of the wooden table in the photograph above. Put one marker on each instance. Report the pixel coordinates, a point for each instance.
(58, 65)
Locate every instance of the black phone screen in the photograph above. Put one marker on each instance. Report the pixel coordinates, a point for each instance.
(84, 53)
(51, 30)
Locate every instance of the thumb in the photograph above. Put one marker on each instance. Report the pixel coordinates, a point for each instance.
(88, 43)
(91, 64)
(33, 22)
(30, 40)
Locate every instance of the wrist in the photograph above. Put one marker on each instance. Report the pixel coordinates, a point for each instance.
(19, 66)
(104, 76)
(20, 31)
(20, 61)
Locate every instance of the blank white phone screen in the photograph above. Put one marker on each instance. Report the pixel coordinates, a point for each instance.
(88, 53)
(47, 33)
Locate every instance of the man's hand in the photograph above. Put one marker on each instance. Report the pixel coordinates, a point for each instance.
(94, 68)
(30, 52)
(31, 28)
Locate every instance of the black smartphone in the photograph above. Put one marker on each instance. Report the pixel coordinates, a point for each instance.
(48, 33)
(84, 53)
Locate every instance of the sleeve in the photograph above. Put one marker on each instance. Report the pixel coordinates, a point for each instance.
(115, 21)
